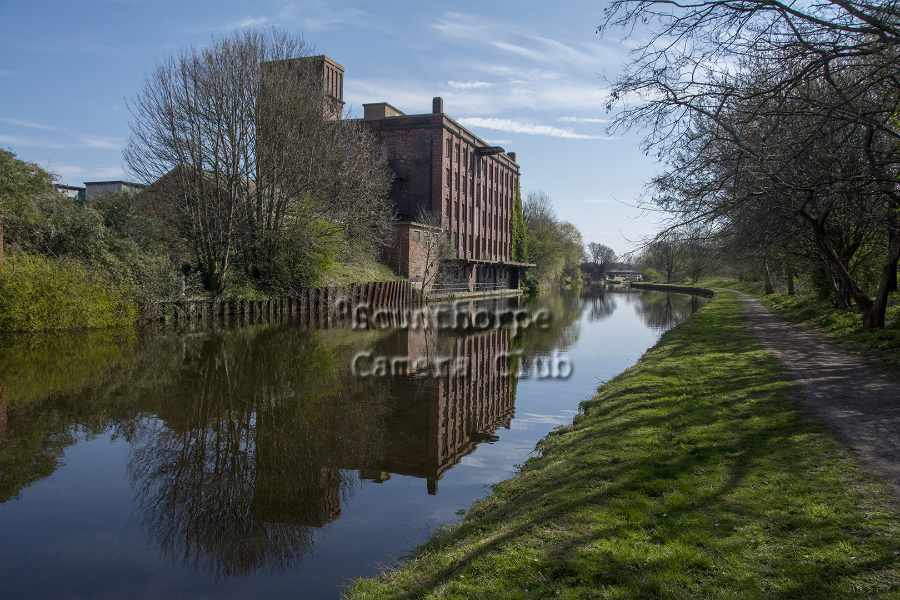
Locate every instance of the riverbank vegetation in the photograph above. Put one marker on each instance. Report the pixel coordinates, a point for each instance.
(689, 475)
(781, 139)
(555, 246)
(256, 191)
(39, 293)
(68, 265)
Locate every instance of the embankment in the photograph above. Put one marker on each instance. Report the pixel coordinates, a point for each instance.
(692, 474)
(669, 287)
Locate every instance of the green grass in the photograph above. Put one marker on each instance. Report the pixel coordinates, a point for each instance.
(691, 475)
(843, 327)
(357, 270)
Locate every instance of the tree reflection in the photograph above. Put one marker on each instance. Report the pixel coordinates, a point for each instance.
(237, 465)
(661, 311)
(243, 441)
(600, 303)
(564, 328)
(53, 389)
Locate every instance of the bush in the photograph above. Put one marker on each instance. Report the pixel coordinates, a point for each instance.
(39, 293)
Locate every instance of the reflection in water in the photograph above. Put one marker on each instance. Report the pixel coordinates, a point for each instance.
(242, 442)
(663, 311)
(602, 304)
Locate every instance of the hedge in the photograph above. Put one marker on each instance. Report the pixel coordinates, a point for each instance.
(39, 293)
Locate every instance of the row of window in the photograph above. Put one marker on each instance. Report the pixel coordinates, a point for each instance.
(496, 187)
(334, 82)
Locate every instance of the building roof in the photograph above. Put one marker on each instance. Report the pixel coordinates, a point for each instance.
(131, 183)
(430, 120)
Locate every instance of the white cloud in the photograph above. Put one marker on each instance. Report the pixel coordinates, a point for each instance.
(27, 124)
(101, 142)
(512, 96)
(525, 128)
(14, 140)
(546, 419)
(516, 74)
(592, 120)
(250, 22)
(529, 46)
(64, 138)
(521, 51)
(462, 26)
(469, 85)
(315, 16)
(333, 19)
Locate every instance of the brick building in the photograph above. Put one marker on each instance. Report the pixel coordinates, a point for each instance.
(448, 182)
(448, 177)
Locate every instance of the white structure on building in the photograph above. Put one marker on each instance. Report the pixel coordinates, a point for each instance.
(93, 189)
(70, 191)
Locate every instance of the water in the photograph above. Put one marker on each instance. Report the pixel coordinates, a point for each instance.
(253, 463)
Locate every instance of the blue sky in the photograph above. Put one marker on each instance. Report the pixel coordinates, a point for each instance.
(530, 76)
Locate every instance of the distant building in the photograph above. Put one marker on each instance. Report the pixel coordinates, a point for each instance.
(95, 189)
(70, 191)
(625, 275)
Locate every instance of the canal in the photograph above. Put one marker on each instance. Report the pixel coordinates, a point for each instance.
(276, 461)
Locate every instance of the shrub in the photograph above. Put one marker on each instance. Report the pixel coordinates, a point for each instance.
(40, 293)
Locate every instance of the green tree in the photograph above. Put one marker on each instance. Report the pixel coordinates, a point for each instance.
(556, 247)
(519, 230)
(20, 181)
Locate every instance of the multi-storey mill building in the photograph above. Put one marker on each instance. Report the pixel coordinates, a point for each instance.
(447, 181)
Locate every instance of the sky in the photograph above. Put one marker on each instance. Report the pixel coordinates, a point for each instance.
(529, 76)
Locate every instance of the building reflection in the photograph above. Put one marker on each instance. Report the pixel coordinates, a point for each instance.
(438, 418)
(240, 463)
(244, 441)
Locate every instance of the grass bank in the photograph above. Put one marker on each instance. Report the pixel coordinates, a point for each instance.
(690, 475)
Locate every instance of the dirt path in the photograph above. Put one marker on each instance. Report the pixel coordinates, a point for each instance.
(857, 401)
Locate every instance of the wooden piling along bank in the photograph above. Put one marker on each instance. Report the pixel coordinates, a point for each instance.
(315, 307)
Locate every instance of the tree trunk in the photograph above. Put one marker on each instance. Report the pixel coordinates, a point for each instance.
(789, 278)
(874, 312)
(841, 292)
(767, 274)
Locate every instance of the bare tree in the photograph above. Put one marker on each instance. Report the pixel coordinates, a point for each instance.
(436, 248)
(242, 138)
(601, 255)
(664, 254)
(780, 112)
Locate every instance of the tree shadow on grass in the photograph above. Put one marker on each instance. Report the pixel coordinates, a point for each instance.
(677, 482)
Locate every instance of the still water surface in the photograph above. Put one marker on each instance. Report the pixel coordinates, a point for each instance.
(252, 463)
